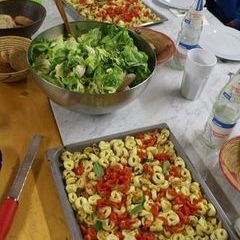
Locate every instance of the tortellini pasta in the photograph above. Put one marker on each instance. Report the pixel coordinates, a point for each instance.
(135, 188)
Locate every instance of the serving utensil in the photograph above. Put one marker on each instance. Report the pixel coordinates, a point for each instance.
(62, 12)
(9, 205)
(129, 78)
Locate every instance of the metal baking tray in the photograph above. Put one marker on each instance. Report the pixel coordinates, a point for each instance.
(77, 16)
(53, 156)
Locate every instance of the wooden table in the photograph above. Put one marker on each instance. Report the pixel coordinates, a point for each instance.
(25, 111)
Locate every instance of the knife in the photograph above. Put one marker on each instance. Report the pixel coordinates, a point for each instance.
(10, 204)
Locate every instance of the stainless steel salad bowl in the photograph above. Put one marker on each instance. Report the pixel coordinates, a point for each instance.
(93, 104)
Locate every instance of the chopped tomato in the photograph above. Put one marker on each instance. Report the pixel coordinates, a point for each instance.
(124, 221)
(147, 192)
(184, 218)
(174, 171)
(149, 139)
(140, 136)
(179, 227)
(126, 5)
(119, 235)
(142, 153)
(114, 177)
(160, 195)
(145, 236)
(163, 157)
(116, 205)
(148, 169)
(165, 222)
(188, 207)
(127, 17)
(155, 209)
(83, 228)
(136, 12)
(101, 203)
(79, 169)
(197, 200)
(147, 223)
(102, 14)
(118, 10)
(146, 13)
(90, 234)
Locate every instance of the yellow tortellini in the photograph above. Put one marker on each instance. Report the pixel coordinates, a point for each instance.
(138, 185)
(219, 234)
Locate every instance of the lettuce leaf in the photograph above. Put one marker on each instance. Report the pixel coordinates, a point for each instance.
(96, 62)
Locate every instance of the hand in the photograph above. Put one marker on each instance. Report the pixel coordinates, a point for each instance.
(231, 24)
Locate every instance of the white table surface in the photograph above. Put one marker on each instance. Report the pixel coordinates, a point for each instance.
(161, 102)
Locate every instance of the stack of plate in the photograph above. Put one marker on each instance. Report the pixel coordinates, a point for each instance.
(222, 41)
(180, 4)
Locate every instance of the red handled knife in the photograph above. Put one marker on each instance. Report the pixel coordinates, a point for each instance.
(9, 205)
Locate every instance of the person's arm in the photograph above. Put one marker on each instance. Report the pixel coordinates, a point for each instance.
(228, 8)
(234, 23)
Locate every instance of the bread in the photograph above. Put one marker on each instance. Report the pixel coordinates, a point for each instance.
(6, 21)
(24, 21)
(5, 66)
(4, 55)
(18, 59)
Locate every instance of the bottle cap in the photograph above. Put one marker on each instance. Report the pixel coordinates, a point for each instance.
(198, 5)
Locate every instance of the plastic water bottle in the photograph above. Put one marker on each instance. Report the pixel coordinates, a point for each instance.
(225, 114)
(189, 35)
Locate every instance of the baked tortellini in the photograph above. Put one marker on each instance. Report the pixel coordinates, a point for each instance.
(137, 188)
(124, 13)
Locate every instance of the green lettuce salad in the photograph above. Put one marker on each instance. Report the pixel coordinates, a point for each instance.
(95, 63)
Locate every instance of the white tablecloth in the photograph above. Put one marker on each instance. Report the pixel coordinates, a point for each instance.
(161, 102)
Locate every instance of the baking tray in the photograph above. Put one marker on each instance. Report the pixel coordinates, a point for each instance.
(53, 156)
(76, 16)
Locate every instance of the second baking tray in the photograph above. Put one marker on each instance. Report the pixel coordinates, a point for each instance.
(77, 16)
(53, 156)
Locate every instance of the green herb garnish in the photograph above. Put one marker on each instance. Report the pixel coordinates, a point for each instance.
(99, 225)
(98, 169)
(138, 207)
(165, 167)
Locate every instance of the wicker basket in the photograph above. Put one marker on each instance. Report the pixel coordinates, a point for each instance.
(229, 158)
(7, 43)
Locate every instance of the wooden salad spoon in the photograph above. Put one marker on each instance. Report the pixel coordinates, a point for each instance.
(61, 10)
(128, 79)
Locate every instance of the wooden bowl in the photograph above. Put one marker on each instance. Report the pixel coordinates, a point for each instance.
(35, 11)
(229, 158)
(163, 45)
(7, 43)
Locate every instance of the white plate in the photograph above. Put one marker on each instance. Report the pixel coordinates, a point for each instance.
(180, 4)
(222, 41)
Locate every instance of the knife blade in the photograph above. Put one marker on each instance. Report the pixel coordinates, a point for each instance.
(9, 205)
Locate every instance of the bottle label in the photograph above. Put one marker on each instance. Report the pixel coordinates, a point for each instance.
(187, 46)
(232, 91)
(217, 131)
(222, 125)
